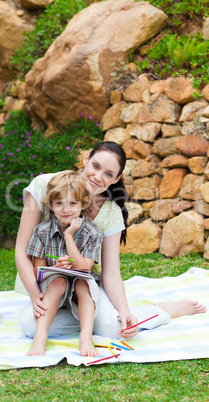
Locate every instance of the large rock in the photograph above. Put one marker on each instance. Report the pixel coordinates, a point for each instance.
(192, 145)
(142, 238)
(183, 234)
(146, 132)
(73, 76)
(11, 35)
(35, 4)
(161, 109)
(180, 89)
(147, 188)
(172, 182)
(191, 187)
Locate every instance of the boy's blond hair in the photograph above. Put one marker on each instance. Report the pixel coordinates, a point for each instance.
(61, 183)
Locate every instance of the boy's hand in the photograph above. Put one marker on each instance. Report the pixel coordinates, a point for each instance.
(74, 226)
(63, 262)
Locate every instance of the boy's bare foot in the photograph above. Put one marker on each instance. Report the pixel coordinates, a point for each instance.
(182, 307)
(86, 347)
(38, 348)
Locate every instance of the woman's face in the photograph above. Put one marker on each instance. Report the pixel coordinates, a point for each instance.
(101, 171)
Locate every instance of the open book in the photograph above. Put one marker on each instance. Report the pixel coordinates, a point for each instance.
(45, 272)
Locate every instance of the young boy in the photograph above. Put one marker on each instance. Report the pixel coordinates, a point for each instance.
(67, 235)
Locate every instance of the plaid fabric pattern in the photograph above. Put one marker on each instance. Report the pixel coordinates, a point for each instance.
(47, 238)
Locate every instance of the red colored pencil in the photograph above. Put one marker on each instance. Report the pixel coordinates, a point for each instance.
(104, 358)
(138, 323)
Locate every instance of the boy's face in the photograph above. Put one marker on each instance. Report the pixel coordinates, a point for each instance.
(66, 209)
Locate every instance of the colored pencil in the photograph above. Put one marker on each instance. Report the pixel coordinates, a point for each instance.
(119, 346)
(138, 323)
(128, 346)
(111, 350)
(53, 256)
(106, 346)
(104, 358)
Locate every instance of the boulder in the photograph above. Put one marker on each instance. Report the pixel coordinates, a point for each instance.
(169, 130)
(190, 110)
(191, 187)
(201, 207)
(111, 117)
(118, 135)
(192, 145)
(35, 4)
(11, 35)
(142, 238)
(205, 192)
(172, 182)
(144, 168)
(165, 146)
(174, 161)
(135, 212)
(146, 132)
(73, 76)
(205, 92)
(197, 164)
(183, 234)
(134, 92)
(130, 114)
(162, 210)
(136, 149)
(180, 89)
(147, 188)
(162, 110)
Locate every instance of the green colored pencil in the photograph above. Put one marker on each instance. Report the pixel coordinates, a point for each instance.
(53, 256)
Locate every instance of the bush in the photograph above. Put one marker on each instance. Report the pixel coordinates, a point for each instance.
(174, 55)
(182, 8)
(25, 154)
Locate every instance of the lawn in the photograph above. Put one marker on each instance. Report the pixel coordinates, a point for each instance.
(167, 381)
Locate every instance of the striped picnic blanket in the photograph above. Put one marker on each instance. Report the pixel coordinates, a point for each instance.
(182, 338)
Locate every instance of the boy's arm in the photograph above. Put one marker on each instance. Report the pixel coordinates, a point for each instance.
(81, 263)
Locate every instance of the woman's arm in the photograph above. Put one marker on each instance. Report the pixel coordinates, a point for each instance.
(113, 284)
(31, 216)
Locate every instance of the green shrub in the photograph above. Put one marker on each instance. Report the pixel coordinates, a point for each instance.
(187, 55)
(181, 8)
(25, 154)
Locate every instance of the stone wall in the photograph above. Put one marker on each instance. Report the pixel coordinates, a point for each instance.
(164, 128)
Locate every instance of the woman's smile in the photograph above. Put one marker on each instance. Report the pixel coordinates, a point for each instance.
(101, 171)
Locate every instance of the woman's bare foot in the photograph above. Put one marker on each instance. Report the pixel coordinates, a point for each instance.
(182, 307)
(38, 348)
(86, 346)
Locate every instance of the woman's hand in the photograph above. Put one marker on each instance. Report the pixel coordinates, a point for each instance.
(63, 262)
(126, 322)
(38, 307)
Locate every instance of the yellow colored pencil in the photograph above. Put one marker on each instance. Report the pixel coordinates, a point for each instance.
(111, 350)
(106, 346)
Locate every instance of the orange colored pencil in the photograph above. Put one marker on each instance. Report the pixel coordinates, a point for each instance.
(128, 346)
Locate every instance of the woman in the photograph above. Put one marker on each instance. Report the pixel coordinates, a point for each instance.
(103, 169)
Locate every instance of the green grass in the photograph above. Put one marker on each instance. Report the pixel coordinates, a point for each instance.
(167, 381)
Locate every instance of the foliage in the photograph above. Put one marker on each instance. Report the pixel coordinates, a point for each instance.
(188, 55)
(25, 154)
(189, 8)
(183, 381)
(50, 25)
